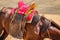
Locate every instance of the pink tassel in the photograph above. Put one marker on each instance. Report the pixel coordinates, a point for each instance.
(22, 7)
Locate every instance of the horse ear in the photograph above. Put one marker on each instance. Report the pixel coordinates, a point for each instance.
(31, 7)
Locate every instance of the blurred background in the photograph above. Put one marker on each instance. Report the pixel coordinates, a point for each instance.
(43, 6)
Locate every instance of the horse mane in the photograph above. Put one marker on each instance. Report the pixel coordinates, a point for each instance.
(35, 19)
(46, 24)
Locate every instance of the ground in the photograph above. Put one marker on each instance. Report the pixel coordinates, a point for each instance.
(48, 8)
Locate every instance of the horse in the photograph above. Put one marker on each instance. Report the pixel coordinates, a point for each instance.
(11, 24)
(41, 28)
(16, 26)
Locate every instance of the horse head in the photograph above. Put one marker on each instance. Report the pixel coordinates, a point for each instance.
(12, 24)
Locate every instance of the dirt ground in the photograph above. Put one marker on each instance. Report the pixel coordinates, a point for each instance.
(48, 8)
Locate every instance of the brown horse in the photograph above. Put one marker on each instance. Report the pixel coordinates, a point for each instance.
(41, 28)
(11, 24)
